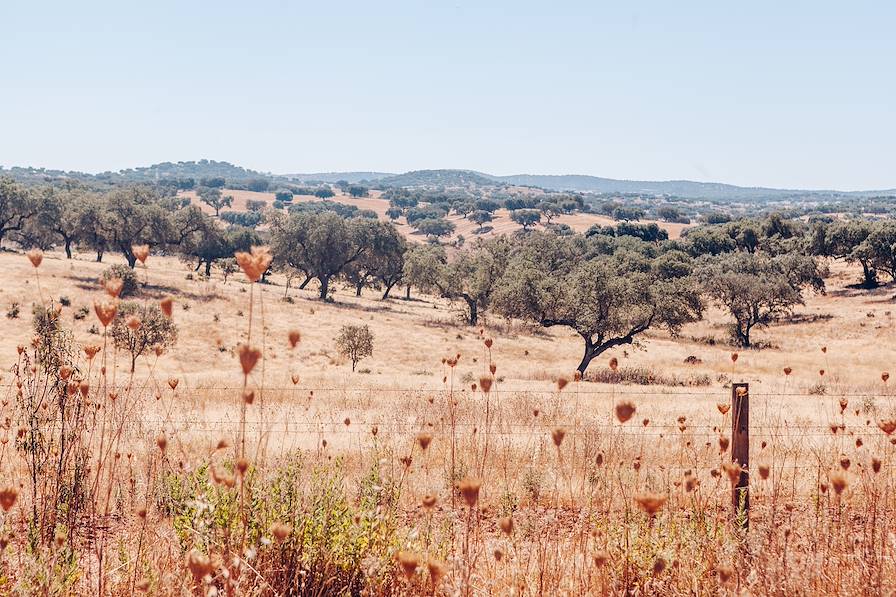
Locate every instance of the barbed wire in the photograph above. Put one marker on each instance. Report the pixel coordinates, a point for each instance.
(496, 389)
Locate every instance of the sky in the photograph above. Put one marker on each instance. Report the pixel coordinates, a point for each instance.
(795, 94)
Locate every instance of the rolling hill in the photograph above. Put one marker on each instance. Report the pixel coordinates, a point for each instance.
(443, 178)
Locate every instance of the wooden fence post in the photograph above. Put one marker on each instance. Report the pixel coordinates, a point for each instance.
(740, 452)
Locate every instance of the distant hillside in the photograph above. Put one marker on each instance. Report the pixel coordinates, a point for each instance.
(331, 177)
(196, 170)
(446, 178)
(200, 169)
(680, 188)
(154, 173)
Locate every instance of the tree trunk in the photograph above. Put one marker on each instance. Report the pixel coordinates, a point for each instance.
(869, 276)
(68, 248)
(208, 268)
(388, 290)
(99, 256)
(473, 318)
(358, 288)
(587, 357)
(324, 287)
(132, 260)
(305, 282)
(407, 293)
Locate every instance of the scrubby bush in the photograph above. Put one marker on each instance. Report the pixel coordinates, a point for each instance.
(128, 277)
(138, 328)
(644, 376)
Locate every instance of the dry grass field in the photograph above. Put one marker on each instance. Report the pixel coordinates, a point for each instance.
(426, 471)
(502, 224)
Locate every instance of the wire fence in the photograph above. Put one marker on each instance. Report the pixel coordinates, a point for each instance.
(334, 415)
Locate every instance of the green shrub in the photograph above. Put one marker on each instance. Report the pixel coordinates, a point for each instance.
(334, 540)
(126, 275)
(154, 330)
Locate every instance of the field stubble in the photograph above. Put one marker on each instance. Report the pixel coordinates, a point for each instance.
(410, 480)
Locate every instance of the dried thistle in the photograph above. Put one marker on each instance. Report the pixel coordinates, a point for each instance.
(624, 411)
(485, 384)
(888, 426)
(254, 263)
(408, 563)
(141, 252)
(651, 503)
(838, 481)
(113, 286)
(8, 495)
(167, 306)
(469, 489)
(424, 439)
(733, 470)
(725, 572)
(105, 311)
(35, 256)
(294, 338)
(437, 570)
(281, 530)
(429, 501)
(199, 564)
(724, 442)
(557, 435)
(248, 357)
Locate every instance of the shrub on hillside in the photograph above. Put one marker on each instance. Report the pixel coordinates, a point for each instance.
(138, 328)
(643, 376)
(127, 276)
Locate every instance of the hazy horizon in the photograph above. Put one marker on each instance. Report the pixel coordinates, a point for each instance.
(767, 95)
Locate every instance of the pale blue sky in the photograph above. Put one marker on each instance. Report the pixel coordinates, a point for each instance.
(783, 93)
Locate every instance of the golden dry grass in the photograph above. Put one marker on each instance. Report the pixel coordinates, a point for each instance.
(598, 506)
